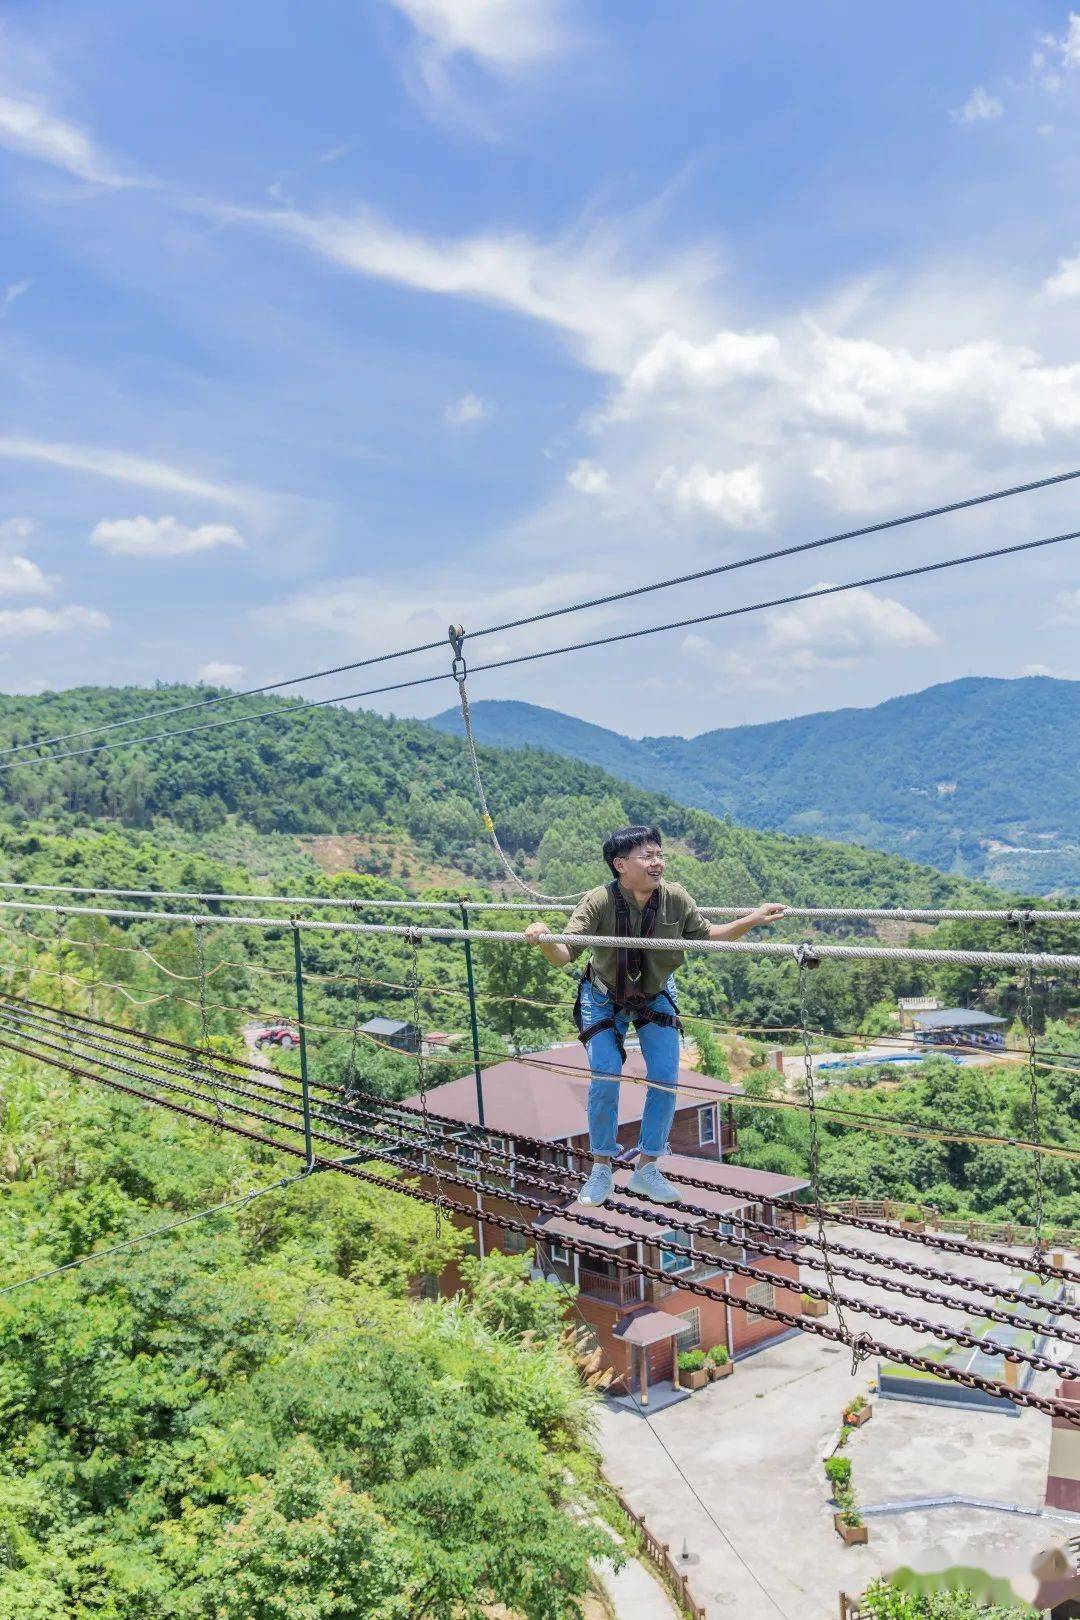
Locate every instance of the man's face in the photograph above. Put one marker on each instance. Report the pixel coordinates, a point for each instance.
(643, 868)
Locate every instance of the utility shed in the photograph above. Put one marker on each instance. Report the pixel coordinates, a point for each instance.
(959, 1026)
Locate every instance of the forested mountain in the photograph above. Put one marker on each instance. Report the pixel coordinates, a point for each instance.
(307, 771)
(974, 776)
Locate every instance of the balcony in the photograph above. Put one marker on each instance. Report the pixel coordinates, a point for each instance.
(612, 1289)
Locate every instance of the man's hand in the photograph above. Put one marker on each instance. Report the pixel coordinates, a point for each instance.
(766, 914)
(538, 933)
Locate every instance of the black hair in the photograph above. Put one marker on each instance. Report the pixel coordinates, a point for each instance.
(626, 839)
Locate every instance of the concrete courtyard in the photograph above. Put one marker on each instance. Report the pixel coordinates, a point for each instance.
(753, 1447)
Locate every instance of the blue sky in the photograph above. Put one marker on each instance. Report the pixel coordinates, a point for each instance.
(323, 326)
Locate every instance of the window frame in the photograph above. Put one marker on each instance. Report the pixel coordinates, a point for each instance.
(708, 1113)
(683, 1339)
(673, 1265)
(559, 1255)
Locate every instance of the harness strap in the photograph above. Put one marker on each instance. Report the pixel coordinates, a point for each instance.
(630, 964)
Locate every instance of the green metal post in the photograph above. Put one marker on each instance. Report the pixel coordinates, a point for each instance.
(298, 967)
(472, 1019)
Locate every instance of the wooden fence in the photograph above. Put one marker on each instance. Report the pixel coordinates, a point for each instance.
(891, 1209)
(659, 1555)
(851, 1608)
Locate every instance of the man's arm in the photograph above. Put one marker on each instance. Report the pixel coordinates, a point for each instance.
(558, 955)
(760, 918)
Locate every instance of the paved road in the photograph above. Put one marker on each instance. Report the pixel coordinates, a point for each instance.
(753, 1448)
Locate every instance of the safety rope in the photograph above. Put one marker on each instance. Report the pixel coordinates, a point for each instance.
(495, 936)
(459, 670)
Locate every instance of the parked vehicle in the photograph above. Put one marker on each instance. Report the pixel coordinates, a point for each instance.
(277, 1035)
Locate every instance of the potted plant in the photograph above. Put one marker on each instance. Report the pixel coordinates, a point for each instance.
(838, 1474)
(851, 1527)
(720, 1364)
(692, 1370)
(911, 1219)
(814, 1307)
(858, 1412)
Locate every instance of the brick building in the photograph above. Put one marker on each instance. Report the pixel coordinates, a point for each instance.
(639, 1323)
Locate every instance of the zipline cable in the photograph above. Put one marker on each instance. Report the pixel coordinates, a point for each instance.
(573, 607)
(306, 709)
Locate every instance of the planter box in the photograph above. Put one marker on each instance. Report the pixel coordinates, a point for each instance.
(721, 1370)
(855, 1420)
(694, 1380)
(815, 1307)
(852, 1535)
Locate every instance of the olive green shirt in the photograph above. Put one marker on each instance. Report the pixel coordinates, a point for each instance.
(677, 917)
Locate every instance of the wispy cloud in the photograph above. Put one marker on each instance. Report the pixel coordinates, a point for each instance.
(124, 468)
(13, 291)
(979, 107)
(35, 132)
(469, 408)
(505, 38)
(161, 537)
(588, 478)
(576, 283)
(1065, 283)
(734, 498)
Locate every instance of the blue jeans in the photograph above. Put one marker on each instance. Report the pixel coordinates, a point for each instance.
(660, 1049)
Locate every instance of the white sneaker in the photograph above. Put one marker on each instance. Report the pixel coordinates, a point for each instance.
(599, 1187)
(650, 1182)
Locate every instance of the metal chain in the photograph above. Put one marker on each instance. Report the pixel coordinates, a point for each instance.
(1027, 1018)
(459, 670)
(413, 981)
(204, 1019)
(704, 1290)
(807, 959)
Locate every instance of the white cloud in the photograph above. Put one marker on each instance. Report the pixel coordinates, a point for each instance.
(735, 498)
(21, 577)
(858, 620)
(161, 537)
(1035, 669)
(469, 408)
(334, 154)
(979, 106)
(500, 34)
(216, 674)
(1068, 606)
(34, 132)
(118, 464)
(673, 361)
(575, 283)
(15, 531)
(1066, 283)
(19, 623)
(14, 290)
(589, 479)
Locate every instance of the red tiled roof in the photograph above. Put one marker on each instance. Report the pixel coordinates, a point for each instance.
(519, 1098)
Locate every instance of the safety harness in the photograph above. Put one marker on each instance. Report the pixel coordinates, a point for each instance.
(626, 993)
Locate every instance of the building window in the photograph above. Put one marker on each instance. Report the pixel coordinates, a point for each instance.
(558, 1255)
(515, 1243)
(429, 1285)
(689, 1337)
(671, 1261)
(761, 1293)
(706, 1125)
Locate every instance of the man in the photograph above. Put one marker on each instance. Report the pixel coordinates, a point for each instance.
(621, 986)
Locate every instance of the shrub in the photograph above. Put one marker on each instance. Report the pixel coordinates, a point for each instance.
(851, 1517)
(911, 1213)
(719, 1355)
(844, 1497)
(691, 1360)
(838, 1470)
(859, 1404)
(845, 1436)
(806, 1300)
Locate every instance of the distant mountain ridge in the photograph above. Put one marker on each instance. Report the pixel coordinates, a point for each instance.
(978, 776)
